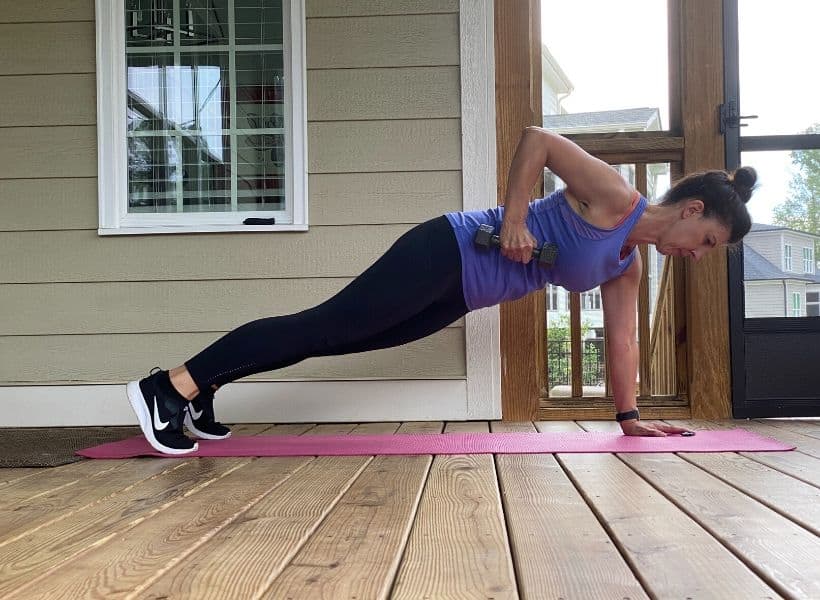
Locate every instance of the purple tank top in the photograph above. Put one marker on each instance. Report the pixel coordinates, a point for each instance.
(587, 255)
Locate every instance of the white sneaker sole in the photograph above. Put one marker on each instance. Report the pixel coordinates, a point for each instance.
(138, 404)
(189, 423)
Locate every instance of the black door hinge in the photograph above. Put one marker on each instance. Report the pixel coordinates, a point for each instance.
(729, 117)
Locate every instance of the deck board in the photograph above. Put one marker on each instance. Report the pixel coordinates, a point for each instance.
(704, 525)
(458, 546)
(551, 525)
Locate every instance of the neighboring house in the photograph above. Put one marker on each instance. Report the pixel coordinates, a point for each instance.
(347, 122)
(781, 275)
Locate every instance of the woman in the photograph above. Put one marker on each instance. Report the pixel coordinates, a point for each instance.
(434, 274)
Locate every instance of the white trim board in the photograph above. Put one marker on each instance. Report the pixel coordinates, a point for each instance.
(247, 402)
(478, 164)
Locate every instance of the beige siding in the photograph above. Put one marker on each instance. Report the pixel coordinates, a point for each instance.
(764, 299)
(384, 154)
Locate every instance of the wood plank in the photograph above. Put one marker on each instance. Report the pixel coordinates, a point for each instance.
(707, 318)
(518, 105)
(796, 464)
(20, 515)
(59, 203)
(40, 48)
(126, 563)
(391, 41)
(335, 199)
(781, 552)
(373, 146)
(357, 8)
(810, 428)
(653, 534)
(458, 545)
(153, 307)
(52, 480)
(71, 100)
(550, 524)
(11, 474)
(787, 496)
(12, 11)
(381, 198)
(369, 94)
(39, 152)
(121, 357)
(23, 560)
(576, 351)
(550, 413)
(356, 550)
(244, 557)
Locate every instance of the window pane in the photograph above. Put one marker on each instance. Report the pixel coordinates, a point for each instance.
(149, 23)
(201, 137)
(780, 253)
(261, 172)
(778, 51)
(623, 88)
(258, 21)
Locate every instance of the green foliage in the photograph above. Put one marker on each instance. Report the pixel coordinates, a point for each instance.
(558, 354)
(801, 211)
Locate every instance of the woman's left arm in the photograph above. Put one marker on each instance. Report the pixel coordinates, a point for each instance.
(620, 298)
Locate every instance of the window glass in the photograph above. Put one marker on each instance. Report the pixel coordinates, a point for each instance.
(778, 50)
(205, 106)
(623, 88)
(782, 247)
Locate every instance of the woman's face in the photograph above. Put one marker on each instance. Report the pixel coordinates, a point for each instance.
(692, 235)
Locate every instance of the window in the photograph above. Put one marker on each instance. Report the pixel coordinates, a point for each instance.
(813, 304)
(552, 297)
(591, 300)
(796, 298)
(808, 260)
(787, 257)
(202, 120)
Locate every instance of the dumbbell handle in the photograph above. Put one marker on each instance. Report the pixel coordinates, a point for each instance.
(545, 255)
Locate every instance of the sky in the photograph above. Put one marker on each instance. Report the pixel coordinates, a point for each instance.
(615, 54)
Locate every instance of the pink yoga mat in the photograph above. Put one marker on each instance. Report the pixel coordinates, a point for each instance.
(733, 440)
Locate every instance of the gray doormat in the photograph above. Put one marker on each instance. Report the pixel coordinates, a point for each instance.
(53, 446)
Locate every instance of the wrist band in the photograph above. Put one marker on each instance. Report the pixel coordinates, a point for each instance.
(626, 416)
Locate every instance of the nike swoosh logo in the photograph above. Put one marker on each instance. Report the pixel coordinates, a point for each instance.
(158, 423)
(194, 414)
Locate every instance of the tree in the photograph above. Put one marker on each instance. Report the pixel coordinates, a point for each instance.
(801, 211)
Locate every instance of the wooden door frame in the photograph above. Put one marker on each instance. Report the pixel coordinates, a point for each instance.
(696, 90)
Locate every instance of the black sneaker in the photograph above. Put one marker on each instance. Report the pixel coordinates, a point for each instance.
(160, 413)
(199, 419)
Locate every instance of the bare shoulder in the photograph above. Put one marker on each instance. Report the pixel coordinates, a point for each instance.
(590, 181)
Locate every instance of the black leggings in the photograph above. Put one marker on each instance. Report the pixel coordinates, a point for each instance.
(413, 290)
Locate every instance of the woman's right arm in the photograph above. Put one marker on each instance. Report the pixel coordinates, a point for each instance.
(587, 178)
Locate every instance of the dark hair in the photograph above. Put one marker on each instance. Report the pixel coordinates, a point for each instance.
(724, 197)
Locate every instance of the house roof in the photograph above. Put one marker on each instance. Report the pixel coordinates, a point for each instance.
(765, 227)
(603, 118)
(757, 268)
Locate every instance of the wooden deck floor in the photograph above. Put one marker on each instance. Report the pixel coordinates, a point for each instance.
(586, 526)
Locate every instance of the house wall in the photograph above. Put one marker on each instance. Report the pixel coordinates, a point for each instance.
(764, 299)
(768, 244)
(384, 154)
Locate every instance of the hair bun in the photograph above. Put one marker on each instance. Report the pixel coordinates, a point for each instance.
(744, 180)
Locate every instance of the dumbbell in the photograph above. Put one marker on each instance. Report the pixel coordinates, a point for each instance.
(546, 255)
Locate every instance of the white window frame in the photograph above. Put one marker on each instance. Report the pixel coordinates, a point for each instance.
(787, 257)
(808, 260)
(812, 303)
(112, 161)
(797, 309)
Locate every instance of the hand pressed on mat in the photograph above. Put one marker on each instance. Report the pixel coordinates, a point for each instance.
(649, 428)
